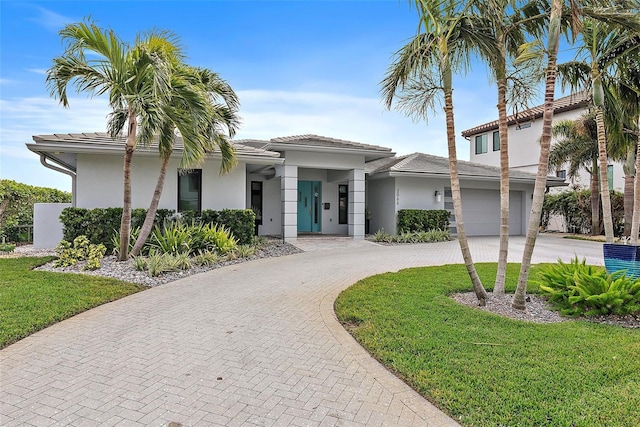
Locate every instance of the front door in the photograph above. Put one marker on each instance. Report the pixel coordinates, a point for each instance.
(309, 206)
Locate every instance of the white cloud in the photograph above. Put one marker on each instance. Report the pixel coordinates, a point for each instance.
(40, 71)
(51, 20)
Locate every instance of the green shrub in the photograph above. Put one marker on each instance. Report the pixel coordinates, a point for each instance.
(97, 224)
(16, 207)
(429, 236)
(115, 240)
(580, 289)
(7, 247)
(245, 251)
(158, 264)
(81, 249)
(205, 258)
(173, 238)
(411, 220)
(94, 256)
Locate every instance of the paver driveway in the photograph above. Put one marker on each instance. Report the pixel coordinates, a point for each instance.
(251, 344)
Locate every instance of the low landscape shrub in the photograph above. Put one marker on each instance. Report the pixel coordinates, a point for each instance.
(81, 250)
(412, 220)
(100, 224)
(429, 236)
(579, 289)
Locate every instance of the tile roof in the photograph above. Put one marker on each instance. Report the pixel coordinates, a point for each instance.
(103, 140)
(323, 141)
(428, 164)
(567, 103)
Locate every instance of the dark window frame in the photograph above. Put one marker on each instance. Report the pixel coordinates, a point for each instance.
(257, 203)
(481, 148)
(188, 174)
(496, 141)
(561, 174)
(343, 204)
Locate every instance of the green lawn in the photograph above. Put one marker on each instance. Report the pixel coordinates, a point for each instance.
(486, 370)
(32, 300)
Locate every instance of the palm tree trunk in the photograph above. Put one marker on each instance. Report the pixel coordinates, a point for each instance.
(147, 226)
(604, 179)
(629, 175)
(635, 222)
(543, 162)
(595, 199)
(478, 288)
(501, 274)
(125, 221)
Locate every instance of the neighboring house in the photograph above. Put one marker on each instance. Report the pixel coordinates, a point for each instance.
(525, 129)
(296, 185)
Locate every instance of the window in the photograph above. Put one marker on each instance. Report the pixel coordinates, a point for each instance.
(256, 200)
(496, 141)
(523, 126)
(610, 176)
(343, 204)
(561, 174)
(481, 144)
(189, 186)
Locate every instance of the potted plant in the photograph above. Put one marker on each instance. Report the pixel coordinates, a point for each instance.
(622, 256)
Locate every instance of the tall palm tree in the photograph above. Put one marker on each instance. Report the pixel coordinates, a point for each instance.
(597, 57)
(618, 12)
(577, 145)
(423, 71)
(136, 78)
(553, 41)
(505, 25)
(203, 123)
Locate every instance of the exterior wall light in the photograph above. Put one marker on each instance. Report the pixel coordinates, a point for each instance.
(438, 196)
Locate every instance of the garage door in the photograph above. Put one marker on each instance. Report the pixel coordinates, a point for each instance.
(481, 210)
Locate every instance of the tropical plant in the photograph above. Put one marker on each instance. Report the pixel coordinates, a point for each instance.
(195, 111)
(422, 72)
(205, 258)
(174, 238)
(115, 240)
(580, 289)
(577, 145)
(137, 79)
(70, 254)
(245, 251)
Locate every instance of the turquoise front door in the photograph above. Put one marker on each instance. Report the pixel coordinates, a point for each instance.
(309, 206)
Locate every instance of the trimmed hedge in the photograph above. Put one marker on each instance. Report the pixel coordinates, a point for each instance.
(100, 224)
(415, 220)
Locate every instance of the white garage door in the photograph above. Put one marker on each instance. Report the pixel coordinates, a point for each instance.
(481, 210)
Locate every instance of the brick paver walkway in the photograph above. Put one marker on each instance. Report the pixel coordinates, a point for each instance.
(251, 344)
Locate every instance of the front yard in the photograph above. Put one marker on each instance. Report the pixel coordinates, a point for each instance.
(32, 300)
(487, 370)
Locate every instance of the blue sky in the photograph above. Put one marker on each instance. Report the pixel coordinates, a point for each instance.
(298, 67)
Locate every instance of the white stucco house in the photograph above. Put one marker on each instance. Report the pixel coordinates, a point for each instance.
(524, 132)
(297, 184)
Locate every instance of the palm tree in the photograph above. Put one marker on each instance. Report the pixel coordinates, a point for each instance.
(136, 78)
(422, 72)
(614, 12)
(505, 25)
(555, 21)
(577, 145)
(202, 123)
(598, 56)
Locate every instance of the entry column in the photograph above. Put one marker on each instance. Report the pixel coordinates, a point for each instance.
(356, 203)
(289, 196)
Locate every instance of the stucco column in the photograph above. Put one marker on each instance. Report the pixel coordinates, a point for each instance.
(356, 203)
(289, 197)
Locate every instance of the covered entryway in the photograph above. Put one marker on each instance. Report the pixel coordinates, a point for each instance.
(309, 206)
